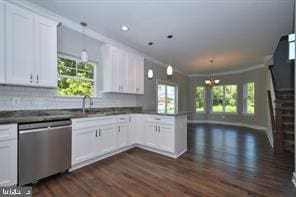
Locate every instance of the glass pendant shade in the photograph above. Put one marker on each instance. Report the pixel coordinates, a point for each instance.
(84, 56)
(211, 81)
(170, 70)
(150, 74)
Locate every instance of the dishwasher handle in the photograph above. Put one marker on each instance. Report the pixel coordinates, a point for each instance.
(43, 129)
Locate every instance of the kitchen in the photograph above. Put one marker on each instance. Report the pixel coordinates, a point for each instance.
(143, 98)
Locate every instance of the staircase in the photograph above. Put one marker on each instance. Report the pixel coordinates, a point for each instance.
(285, 106)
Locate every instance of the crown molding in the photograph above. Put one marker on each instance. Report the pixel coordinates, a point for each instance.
(89, 32)
(230, 72)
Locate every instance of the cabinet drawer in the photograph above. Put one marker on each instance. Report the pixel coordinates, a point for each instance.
(122, 118)
(92, 122)
(160, 119)
(8, 132)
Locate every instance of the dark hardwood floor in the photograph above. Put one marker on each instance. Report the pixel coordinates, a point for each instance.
(221, 161)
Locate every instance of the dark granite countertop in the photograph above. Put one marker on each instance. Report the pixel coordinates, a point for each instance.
(28, 116)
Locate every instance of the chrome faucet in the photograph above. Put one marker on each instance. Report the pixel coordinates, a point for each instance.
(83, 104)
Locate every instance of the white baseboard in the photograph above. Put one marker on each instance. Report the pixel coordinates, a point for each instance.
(228, 123)
(294, 179)
(270, 138)
(93, 160)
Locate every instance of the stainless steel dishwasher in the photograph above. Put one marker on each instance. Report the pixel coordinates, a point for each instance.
(44, 150)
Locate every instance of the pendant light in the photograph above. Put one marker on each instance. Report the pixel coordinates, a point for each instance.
(211, 81)
(150, 74)
(84, 56)
(170, 68)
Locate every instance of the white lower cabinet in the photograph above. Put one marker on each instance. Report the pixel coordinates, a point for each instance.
(107, 138)
(151, 134)
(8, 155)
(97, 138)
(84, 144)
(122, 133)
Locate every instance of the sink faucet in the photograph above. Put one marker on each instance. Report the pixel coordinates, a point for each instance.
(83, 104)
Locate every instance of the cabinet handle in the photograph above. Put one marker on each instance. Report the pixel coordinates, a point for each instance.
(96, 133)
(158, 129)
(100, 132)
(129, 119)
(157, 119)
(31, 78)
(119, 88)
(118, 128)
(37, 78)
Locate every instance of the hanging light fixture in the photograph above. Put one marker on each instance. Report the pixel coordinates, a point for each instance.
(150, 74)
(84, 56)
(170, 68)
(211, 81)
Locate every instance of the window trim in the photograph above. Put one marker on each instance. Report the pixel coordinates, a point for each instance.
(77, 60)
(245, 99)
(223, 101)
(291, 41)
(163, 82)
(205, 100)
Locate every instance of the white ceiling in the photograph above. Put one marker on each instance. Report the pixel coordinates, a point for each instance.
(237, 34)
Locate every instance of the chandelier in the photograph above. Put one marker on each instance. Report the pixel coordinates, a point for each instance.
(211, 81)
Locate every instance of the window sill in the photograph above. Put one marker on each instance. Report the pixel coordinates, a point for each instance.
(225, 113)
(200, 112)
(248, 114)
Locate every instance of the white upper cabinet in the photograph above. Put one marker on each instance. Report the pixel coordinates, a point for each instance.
(20, 49)
(123, 72)
(46, 51)
(2, 60)
(31, 48)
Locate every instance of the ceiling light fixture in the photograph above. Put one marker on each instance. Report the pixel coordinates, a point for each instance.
(170, 68)
(211, 81)
(124, 28)
(84, 56)
(150, 74)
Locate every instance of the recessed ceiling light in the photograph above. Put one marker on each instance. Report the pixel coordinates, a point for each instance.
(124, 28)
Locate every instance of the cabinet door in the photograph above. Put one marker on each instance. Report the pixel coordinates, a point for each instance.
(20, 49)
(166, 137)
(46, 52)
(140, 75)
(132, 74)
(8, 163)
(151, 134)
(132, 129)
(123, 72)
(2, 63)
(107, 138)
(122, 134)
(84, 144)
(114, 80)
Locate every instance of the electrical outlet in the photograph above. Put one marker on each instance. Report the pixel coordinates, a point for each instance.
(223, 116)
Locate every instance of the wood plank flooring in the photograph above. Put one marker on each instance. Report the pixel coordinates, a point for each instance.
(221, 161)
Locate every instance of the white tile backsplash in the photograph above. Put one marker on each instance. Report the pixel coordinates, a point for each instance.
(30, 98)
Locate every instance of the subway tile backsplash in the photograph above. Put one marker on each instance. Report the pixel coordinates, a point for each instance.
(30, 98)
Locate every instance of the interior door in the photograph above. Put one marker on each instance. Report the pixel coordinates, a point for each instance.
(166, 137)
(122, 134)
(151, 134)
(20, 48)
(107, 138)
(84, 144)
(46, 52)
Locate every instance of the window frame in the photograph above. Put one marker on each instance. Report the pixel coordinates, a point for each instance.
(291, 42)
(77, 60)
(245, 99)
(166, 83)
(223, 101)
(204, 99)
